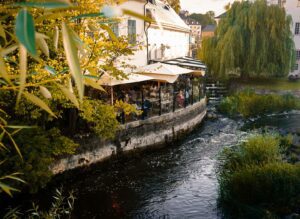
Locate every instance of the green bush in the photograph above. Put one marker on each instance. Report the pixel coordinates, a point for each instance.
(39, 149)
(254, 180)
(249, 104)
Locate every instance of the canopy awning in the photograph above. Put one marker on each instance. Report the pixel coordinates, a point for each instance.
(186, 62)
(163, 72)
(107, 80)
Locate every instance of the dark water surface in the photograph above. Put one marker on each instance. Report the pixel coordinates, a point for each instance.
(175, 182)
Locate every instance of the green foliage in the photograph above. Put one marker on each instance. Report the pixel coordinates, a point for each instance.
(101, 117)
(253, 39)
(61, 207)
(204, 19)
(249, 104)
(255, 182)
(39, 149)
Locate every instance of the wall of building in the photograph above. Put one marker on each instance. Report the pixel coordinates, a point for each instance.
(140, 57)
(155, 131)
(167, 44)
(293, 8)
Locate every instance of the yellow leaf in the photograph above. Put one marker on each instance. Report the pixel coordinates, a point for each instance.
(2, 32)
(93, 84)
(68, 94)
(23, 70)
(92, 27)
(55, 38)
(45, 92)
(70, 86)
(8, 50)
(72, 58)
(110, 32)
(37, 101)
(3, 72)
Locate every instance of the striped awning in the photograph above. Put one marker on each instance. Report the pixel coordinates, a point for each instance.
(187, 62)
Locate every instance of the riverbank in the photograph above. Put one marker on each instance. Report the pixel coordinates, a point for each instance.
(267, 86)
(156, 131)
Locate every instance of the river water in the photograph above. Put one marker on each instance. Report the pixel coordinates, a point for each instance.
(173, 182)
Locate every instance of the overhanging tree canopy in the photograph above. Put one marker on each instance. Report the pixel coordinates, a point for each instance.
(254, 39)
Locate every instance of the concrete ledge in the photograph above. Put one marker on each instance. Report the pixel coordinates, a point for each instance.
(159, 130)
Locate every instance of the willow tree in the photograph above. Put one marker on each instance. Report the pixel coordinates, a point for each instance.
(254, 39)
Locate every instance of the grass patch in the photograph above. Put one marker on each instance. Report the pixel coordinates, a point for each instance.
(249, 104)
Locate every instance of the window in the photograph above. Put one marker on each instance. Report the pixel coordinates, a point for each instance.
(132, 31)
(115, 29)
(297, 28)
(296, 67)
(297, 54)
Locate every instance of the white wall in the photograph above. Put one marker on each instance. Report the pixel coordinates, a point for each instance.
(176, 43)
(140, 57)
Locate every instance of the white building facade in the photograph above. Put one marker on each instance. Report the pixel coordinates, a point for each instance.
(167, 37)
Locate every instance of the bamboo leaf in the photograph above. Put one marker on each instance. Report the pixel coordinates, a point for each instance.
(25, 31)
(70, 95)
(42, 44)
(23, 70)
(2, 135)
(41, 35)
(37, 101)
(2, 32)
(90, 15)
(137, 15)
(3, 147)
(8, 50)
(3, 72)
(92, 27)
(45, 92)
(19, 127)
(93, 84)
(47, 5)
(50, 70)
(55, 38)
(72, 58)
(7, 189)
(13, 177)
(110, 32)
(14, 144)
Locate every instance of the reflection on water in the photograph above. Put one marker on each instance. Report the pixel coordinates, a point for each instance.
(175, 182)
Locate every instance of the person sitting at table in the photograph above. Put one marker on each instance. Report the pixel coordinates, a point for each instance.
(180, 98)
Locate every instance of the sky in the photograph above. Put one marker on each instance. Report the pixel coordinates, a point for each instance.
(202, 6)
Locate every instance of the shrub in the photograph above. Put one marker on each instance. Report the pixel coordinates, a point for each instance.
(101, 118)
(39, 149)
(255, 182)
(248, 104)
(274, 187)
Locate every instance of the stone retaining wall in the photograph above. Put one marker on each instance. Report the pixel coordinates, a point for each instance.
(155, 131)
